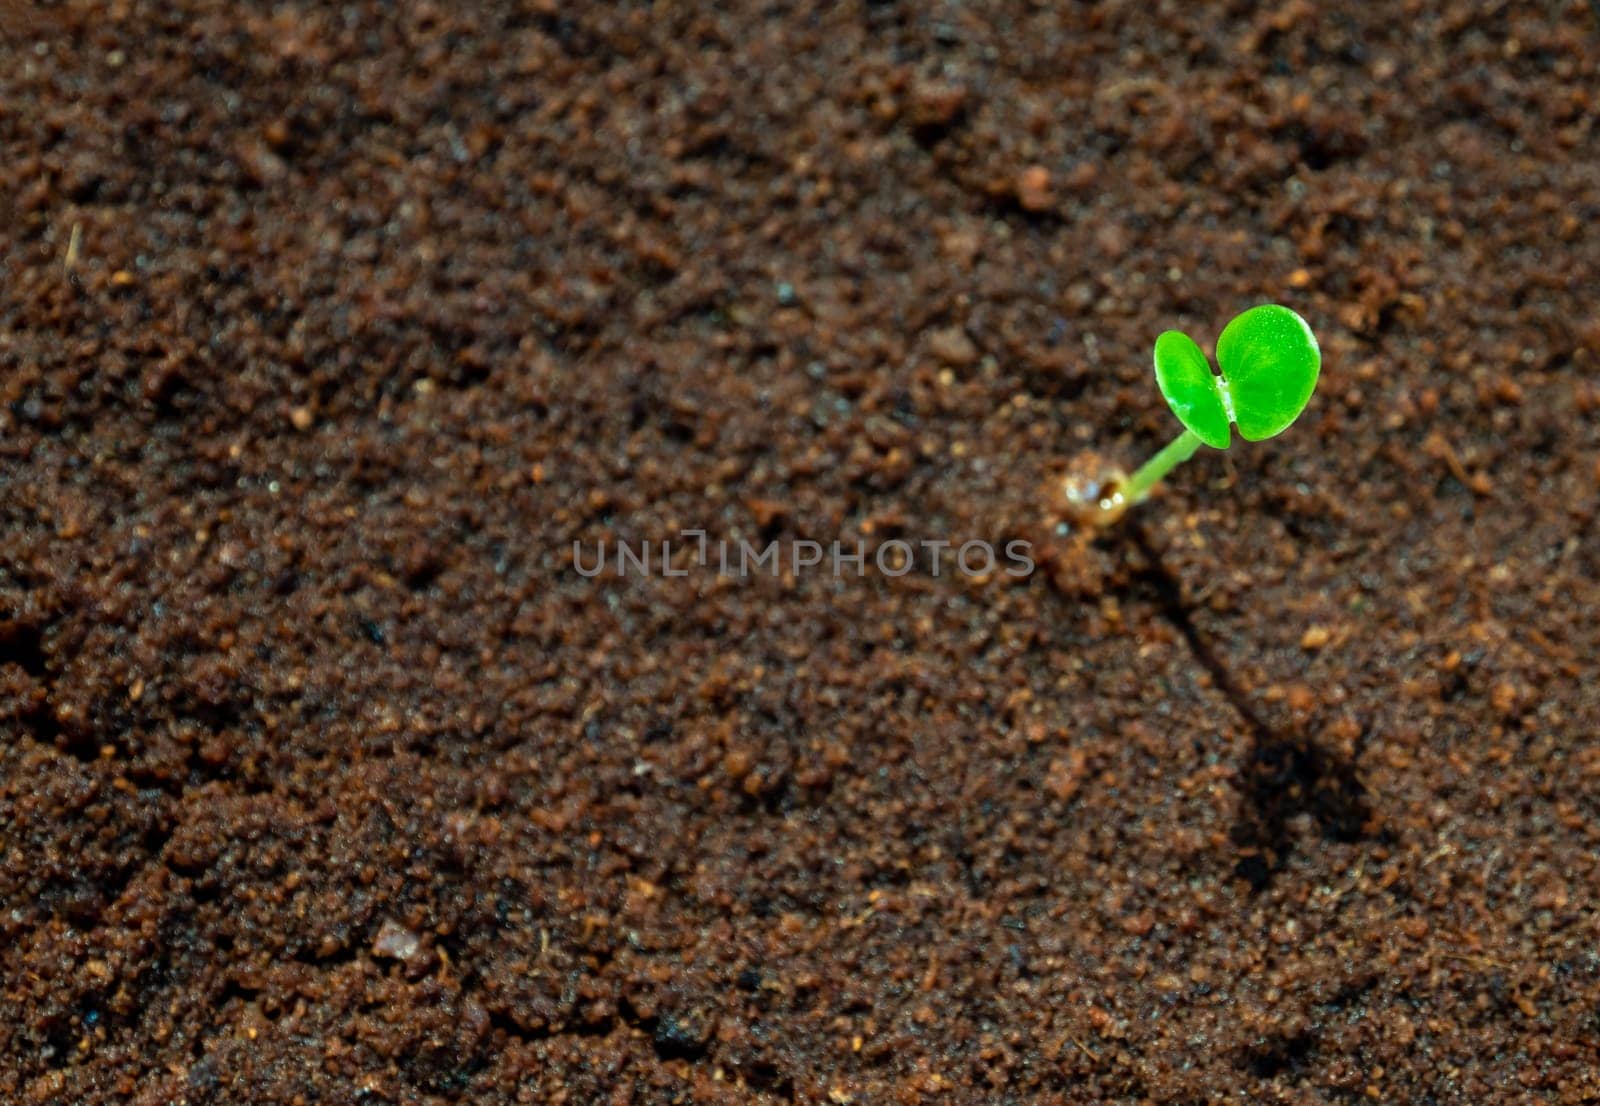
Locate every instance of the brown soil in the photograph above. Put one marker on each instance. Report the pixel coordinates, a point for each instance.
(326, 331)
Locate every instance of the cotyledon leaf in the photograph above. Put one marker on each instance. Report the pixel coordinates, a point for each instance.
(1185, 378)
(1269, 361)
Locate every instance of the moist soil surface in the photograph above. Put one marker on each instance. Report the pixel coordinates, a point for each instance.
(325, 776)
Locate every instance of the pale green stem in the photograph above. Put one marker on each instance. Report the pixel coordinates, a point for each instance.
(1179, 450)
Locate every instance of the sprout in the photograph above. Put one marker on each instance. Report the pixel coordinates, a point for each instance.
(1269, 361)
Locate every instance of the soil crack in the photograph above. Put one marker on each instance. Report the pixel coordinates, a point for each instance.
(1285, 774)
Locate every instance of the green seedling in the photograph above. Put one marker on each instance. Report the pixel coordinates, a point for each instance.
(1269, 361)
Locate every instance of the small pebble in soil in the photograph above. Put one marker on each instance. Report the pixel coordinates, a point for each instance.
(1033, 189)
(952, 346)
(680, 1036)
(395, 941)
(936, 103)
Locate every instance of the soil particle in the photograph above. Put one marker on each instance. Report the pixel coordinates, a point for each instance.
(1034, 190)
(396, 942)
(1315, 637)
(952, 346)
(936, 104)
